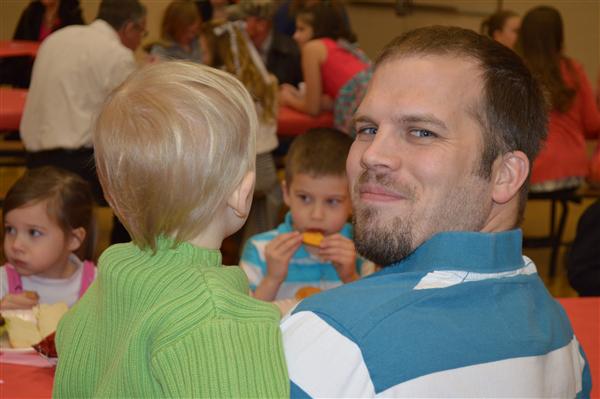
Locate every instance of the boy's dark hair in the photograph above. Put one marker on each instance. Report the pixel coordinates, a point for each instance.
(118, 12)
(70, 201)
(318, 152)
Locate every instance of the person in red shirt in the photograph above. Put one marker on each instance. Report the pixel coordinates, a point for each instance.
(563, 161)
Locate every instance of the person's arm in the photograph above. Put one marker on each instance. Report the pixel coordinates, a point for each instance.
(224, 358)
(278, 254)
(313, 55)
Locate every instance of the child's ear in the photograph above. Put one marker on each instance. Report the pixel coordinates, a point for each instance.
(240, 199)
(286, 194)
(76, 239)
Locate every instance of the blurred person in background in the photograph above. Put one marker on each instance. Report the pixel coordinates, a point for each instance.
(37, 21)
(279, 52)
(181, 37)
(75, 69)
(563, 161)
(502, 26)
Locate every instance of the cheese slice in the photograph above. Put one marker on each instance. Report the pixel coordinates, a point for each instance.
(22, 333)
(48, 317)
(27, 329)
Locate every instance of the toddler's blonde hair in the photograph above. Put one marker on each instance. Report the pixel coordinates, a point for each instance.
(171, 144)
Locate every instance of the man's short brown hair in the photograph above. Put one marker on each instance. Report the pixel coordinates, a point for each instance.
(318, 152)
(512, 111)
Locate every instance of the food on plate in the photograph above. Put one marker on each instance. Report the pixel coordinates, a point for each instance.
(313, 238)
(48, 316)
(23, 332)
(32, 295)
(306, 291)
(46, 346)
(2, 324)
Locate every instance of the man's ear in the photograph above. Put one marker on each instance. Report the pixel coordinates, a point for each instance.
(510, 174)
(76, 239)
(240, 199)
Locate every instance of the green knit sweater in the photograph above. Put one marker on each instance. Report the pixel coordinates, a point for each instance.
(171, 324)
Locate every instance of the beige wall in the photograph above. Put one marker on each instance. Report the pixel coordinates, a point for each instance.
(377, 24)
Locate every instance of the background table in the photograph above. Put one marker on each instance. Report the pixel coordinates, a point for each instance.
(12, 103)
(18, 48)
(584, 313)
(293, 123)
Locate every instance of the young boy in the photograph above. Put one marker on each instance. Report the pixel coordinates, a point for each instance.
(175, 151)
(313, 247)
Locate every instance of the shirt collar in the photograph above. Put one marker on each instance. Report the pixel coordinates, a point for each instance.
(468, 251)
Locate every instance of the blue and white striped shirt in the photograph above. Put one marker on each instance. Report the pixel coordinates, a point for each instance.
(465, 315)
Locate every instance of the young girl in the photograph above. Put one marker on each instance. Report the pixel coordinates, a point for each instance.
(48, 218)
(335, 71)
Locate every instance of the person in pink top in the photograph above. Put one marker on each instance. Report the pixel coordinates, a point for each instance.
(331, 64)
(563, 162)
(48, 217)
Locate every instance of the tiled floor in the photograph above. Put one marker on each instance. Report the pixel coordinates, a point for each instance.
(536, 222)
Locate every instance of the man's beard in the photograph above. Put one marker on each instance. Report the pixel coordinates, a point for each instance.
(389, 240)
(385, 244)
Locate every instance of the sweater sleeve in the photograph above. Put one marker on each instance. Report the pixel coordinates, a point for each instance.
(224, 358)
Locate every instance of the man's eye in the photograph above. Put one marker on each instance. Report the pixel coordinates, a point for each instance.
(368, 130)
(422, 133)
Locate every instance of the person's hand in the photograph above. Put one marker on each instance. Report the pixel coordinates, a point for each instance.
(340, 251)
(278, 253)
(23, 300)
(288, 94)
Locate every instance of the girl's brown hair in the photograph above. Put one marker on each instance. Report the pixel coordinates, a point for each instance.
(329, 19)
(496, 22)
(70, 201)
(540, 43)
(178, 16)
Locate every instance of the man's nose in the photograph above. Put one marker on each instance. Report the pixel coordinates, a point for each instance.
(384, 151)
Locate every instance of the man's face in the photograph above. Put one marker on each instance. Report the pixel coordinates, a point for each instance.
(413, 166)
(132, 33)
(258, 29)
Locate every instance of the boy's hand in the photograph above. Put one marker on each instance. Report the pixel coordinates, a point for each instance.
(340, 251)
(23, 300)
(278, 254)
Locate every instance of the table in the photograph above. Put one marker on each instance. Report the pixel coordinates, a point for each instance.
(584, 313)
(18, 48)
(12, 103)
(292, 123)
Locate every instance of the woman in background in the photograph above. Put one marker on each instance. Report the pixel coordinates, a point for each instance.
(562, 163)
(331, 64)
(181, 34)
(502, 26)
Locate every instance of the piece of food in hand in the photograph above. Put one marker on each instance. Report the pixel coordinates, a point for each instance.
(22, 333)
(32, 295)
(313, 238)
(306, 291)
(48, 316)
(46, 346)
